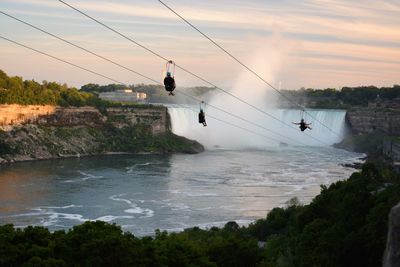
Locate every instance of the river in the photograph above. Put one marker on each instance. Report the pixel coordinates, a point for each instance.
(169, 192)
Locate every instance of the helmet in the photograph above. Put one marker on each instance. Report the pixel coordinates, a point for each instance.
(302, 120)
(168, 74)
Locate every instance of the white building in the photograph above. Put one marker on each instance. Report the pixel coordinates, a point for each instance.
(126, 96)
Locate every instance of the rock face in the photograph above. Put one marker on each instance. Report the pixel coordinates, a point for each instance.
(392, 253)
(45, 132)
(367, 120)
(33, 142)
(156, 117)
(391, 150)
(17, 114)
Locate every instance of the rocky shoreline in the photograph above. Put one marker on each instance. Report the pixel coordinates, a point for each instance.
(375, 131)
(82, 132)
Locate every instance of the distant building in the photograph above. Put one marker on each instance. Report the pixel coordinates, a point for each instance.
(385, 103)
(391, 149)
(125, 96)
(141, 97)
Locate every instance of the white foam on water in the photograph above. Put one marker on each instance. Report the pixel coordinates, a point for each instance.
(219, 135)
(177, 206)
(109, 218)
(117, 198)
(172, 191)
(133, 209)
(147, 213)
(48, 217)
(62, 207)
(88, 176)
(136, 210)
(201, 194)
(132, 168)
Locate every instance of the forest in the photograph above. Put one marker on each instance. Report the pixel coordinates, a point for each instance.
(345, 225)
(15, 90)
(344, 98)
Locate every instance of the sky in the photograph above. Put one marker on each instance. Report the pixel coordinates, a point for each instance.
(292, 44)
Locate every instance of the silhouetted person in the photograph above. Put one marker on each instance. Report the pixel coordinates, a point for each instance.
(303, 125)
(169, 83)
(202, 118)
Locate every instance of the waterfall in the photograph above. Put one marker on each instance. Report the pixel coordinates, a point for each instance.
(217, 134)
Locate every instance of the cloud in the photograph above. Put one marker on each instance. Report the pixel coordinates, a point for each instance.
(329, 35)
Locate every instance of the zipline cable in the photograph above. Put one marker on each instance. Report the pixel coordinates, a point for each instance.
(186, 70)
(231, 124)
(242, 64)
(111, 79)
(75, 45)
(147, 77)
(62, 60)
(241, 118)
(137, 73)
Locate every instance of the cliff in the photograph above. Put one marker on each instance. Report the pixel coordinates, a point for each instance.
(392, 253)
(155, 117)
(369, 126)
(368, 120)
(46, 132)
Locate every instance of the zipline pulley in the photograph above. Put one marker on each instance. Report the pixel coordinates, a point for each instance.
(202, 115)
(169, 80)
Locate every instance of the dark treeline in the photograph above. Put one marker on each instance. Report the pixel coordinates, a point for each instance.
(150, 89)
(15, 90)
(346, 225)
(347, 96)
(96, 88)
(329, 98)
(155, 93)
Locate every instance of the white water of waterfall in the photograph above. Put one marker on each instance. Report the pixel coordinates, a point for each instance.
(219, 135)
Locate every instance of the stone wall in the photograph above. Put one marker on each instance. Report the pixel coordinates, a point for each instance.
(12, 115)
(391, 149)
(157, 117)
(392, 253)
(44, 132)
(368, 120)
(18, 114)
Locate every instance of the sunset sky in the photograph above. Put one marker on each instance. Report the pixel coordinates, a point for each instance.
(293, 44)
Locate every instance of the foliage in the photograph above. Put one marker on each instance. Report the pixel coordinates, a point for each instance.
(95, 88)
(344, 98)
(155, 93)
(363, 143)
(14, 90)
(139, 138)
(101, 244)
(346, 225)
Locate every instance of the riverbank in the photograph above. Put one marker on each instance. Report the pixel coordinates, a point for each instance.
(30, 143)
(375, 131)
(44, 132)
(345, 225)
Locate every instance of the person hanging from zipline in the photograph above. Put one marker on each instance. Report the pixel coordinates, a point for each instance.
(202, 118)
(303, 125)
(202, 115)
(169, 80)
